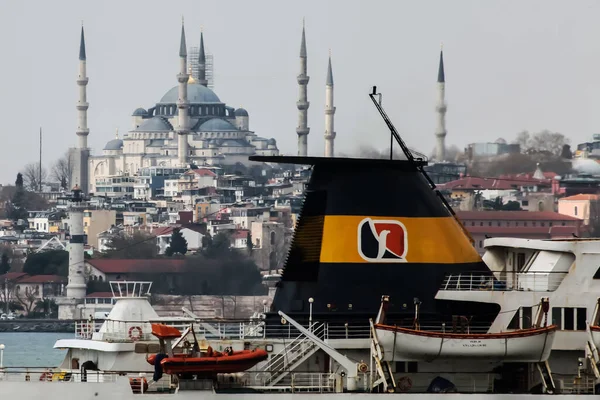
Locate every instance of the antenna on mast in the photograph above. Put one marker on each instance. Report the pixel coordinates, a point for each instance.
(40, 166)
(393, 131)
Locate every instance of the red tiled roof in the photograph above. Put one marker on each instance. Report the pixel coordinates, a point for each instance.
(153, 266)
(580, 197)
(513, 216)
(515, 230)
(163, 230)
(475, 183)
(240, 234)
(43, 279)
(12, 276)
(103, 295)
(203, 172)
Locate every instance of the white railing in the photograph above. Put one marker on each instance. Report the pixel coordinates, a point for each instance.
(21, 374)
(525, 281)
(295, 382)
(281, 362)
(575, 384)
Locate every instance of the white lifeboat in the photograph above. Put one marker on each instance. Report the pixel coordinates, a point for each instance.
(527, 345)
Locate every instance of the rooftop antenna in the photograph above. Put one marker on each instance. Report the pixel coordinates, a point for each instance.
(393, 131)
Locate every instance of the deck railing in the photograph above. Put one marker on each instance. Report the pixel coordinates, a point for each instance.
(523, 281)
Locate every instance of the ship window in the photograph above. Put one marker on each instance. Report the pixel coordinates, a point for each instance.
(520, 260)
(499, 223)
(581, 318)
(557, 316)
(490, 223)
(412, 366)
(569, 320)
(481, 223)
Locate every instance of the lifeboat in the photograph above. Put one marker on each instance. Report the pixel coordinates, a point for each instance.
(526, 345)
(210, 363)
(201, 361)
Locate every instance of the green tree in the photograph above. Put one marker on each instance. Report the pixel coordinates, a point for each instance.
(249, 243)
(50, 262)
(218, 247)
(19, 180)
(139, 245)
(4, 264)
(178, 244)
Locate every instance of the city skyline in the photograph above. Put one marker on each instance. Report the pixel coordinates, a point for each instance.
(500, 81)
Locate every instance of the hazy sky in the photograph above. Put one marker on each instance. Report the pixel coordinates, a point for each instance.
(510, 66)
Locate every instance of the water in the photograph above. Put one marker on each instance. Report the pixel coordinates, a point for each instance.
(31, 349)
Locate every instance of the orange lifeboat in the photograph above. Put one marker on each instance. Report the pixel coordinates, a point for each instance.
(212, 363)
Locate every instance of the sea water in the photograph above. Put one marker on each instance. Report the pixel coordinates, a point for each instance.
(31, 349)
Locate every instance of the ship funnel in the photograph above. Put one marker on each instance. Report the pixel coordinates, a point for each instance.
(367, 228)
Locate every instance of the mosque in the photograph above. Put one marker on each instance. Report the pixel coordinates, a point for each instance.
(189, 125)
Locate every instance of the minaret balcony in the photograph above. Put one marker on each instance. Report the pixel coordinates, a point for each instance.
(303, 79)
(441, 108)
(302, 131)
(329, 135)
(82, 81)
(329, 110)
(82, 106)
(440, 134)
(82, 132)
(302, 105)
(182, 78)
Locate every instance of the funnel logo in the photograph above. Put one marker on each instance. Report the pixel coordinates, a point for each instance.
(382, 241)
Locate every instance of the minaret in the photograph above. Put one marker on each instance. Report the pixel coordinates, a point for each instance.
(202, 62)
(329, 112)
(440, 132)
(302, 130)
(80, 154)
(182, 103)
(76, 287)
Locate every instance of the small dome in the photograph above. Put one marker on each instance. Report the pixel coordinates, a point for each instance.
(272, 142)
(500, 141)
(115, 144)
(241, 112)
(155, 124)
(216, 124)
(139, 112)
(196, 94)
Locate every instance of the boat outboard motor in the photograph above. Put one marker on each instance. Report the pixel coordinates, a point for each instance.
(441, 385)
(158, 370)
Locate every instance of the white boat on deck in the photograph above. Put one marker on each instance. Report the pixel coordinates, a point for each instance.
(532, 345)
(528, 345)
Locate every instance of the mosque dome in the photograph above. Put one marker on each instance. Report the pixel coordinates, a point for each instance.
(115, 144)
(272, 142)
(139, 112)
(155, 124)
(196, 94)
(241, 112)
(216, 124)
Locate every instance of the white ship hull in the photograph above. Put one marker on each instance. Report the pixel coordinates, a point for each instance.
(122, 391)
(411, 345)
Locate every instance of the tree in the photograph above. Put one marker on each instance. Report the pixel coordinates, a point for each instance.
(451, 154)
(249, 243)
(50, 262)
(541, 142)
(32, 178)
(566, 152)
(19, 180)
(522, 140)
(4, 264)
(61, 170)
(28, 297)
(178, 244)
(139, 245)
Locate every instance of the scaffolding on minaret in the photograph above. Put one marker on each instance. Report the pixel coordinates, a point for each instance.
(193, 61)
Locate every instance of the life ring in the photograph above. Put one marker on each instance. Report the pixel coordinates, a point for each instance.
(404, 384)
(136, 336)
(46, 376)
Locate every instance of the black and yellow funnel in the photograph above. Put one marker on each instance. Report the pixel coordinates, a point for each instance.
(367, 228)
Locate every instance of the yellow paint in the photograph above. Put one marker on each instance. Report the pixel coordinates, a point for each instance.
(429, 240)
